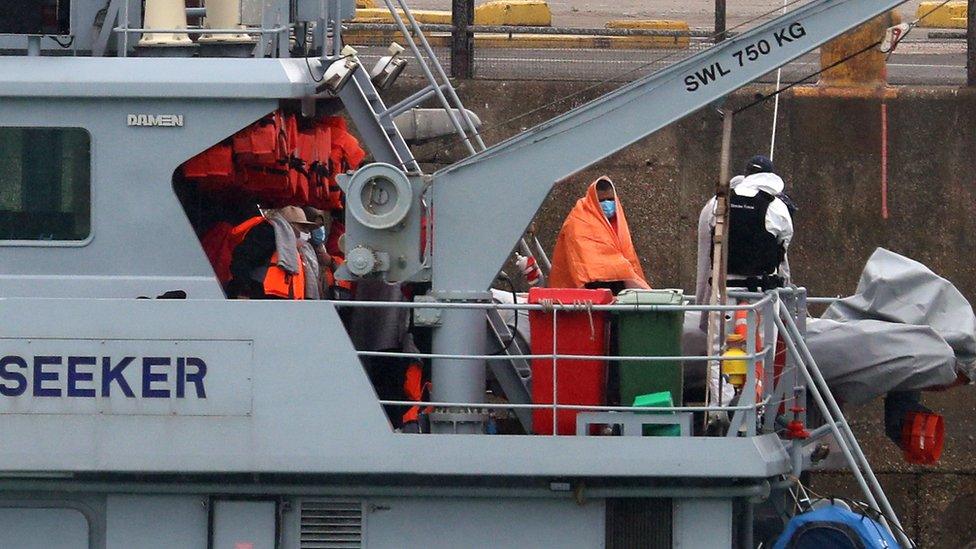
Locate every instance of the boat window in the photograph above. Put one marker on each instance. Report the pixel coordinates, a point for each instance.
(45, 184)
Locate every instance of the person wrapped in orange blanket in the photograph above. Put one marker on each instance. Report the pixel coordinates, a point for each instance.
(594, 249)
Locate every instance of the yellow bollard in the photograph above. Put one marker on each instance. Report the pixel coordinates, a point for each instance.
(937, 15)
(864, 70)
(528, 13)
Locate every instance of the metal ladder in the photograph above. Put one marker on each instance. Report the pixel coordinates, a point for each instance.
(376, 121)
(438, 83)
(439, 86)
(837, 423)
(364, 103)
(513, 374)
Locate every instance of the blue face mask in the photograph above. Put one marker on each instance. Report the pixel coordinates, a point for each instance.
(609, 207)
(318, 236)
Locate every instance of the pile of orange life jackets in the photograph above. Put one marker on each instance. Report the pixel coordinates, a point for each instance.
(281, 160)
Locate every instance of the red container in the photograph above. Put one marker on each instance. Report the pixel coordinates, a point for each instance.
(577, 333)
(922, 437)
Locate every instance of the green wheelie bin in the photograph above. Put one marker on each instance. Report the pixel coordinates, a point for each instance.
(647, 333)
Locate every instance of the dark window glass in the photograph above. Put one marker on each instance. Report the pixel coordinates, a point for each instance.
(35, 17)
(45, 184)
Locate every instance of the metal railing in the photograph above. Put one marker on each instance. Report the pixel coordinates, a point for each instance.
(275, 29)
(746, 414)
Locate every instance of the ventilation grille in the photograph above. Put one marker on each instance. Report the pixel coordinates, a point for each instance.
(331, 524)
(638, 522)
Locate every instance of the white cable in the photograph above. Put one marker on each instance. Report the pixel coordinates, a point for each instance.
(779, 74)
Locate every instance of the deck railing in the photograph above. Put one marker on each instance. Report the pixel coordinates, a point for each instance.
(747, 416)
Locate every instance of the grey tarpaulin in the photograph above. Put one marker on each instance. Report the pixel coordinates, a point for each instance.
(896, 289)
(864, 359)
(860, 359)
(904, 329)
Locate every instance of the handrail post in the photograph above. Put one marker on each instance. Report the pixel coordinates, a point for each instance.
(462, 39)
(415, 49)
(770, 386)
(720, 24)
(748, 394)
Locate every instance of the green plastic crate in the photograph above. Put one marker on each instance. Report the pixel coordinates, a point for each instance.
(658, 400)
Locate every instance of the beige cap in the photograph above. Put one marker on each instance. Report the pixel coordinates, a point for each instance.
(295, 216)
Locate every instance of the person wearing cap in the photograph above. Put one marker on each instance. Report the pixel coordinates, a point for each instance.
(594, 249)
(267, 263)
(317, 258)
(325, 240)
(760, 231)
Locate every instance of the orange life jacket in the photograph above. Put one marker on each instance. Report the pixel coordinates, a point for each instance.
(415, 388)
(220, 242)
(277, 281)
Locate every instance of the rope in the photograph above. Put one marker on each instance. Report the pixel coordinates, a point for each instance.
(779, 77)
(548, 306)
(857, 507)
(587, 306)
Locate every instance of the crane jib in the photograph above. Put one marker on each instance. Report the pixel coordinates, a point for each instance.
(752, 52)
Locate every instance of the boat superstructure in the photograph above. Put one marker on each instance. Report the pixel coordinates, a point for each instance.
(212, 422)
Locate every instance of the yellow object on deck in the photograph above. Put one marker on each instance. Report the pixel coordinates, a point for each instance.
(736, 370)
(533, 13)
(656, 24)
(525, 41)
(382, 15)
(933, 15)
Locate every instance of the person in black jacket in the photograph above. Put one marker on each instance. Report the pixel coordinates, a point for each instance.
(266, 258)
(760, 231)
